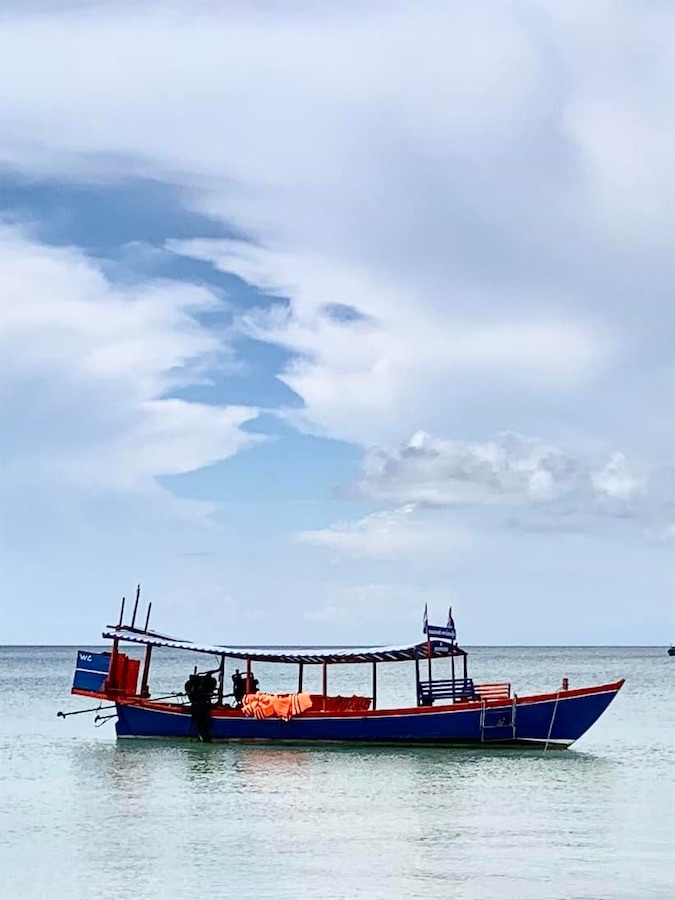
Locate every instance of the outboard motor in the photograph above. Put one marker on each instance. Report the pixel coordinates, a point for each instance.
(200, 689)
(239, 686)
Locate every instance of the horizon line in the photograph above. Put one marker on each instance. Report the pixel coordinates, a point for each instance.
(350, 646)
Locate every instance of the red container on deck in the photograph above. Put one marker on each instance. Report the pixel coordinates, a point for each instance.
(123, 675)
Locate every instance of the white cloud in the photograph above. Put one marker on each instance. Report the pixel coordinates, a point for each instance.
(469, 185)
(441, 472)
(510, 470)
(402, 533)
(87, 368)
(615, 480)
(531, 486)
(618, 109)
(170, 437)
(374, 374)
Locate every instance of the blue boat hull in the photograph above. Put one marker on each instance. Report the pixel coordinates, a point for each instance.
(552, 719)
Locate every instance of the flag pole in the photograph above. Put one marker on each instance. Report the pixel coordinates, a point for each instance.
(426, 628)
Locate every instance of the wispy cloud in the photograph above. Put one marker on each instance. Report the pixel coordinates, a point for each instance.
(394, 535)
(469, 189)
(371, 374)
(88, 369)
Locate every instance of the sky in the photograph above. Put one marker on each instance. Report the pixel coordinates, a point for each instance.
(316, 313)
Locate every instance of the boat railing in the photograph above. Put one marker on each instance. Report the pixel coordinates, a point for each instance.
(494, 691)
(457, 689)
(454, 689)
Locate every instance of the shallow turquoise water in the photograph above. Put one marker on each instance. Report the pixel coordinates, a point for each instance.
(82, 816)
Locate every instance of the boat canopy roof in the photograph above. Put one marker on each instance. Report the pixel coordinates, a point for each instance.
(438, 647)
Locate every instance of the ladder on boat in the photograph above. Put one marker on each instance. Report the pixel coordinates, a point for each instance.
(498, 724)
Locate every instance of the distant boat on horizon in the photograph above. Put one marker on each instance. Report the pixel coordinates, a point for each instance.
(671, 650)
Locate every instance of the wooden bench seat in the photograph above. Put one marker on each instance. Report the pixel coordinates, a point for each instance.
(494, 691)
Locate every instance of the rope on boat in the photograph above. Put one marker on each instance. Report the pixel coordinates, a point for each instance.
(550, 727)
(101, 708)
(79, 712)
(167, 696)
(101, 720)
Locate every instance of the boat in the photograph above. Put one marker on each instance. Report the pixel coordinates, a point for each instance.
(452, 709)
(671, 650)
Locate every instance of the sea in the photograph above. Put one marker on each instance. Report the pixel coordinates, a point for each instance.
(85, 817)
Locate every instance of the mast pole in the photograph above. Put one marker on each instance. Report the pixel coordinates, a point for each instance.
(133, 617)
(426, 628)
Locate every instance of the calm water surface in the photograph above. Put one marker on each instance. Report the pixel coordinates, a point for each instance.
(82, 816)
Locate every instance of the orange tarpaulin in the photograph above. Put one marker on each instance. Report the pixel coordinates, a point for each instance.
(265, 706)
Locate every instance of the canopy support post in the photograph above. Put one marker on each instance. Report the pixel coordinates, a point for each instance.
(417, 679)
(301, 667)
(374, 685)
(248, 675)
(465, 672)
(112, 668)
(221, 681)
(145, 691)
(325, 684)
(452, 670)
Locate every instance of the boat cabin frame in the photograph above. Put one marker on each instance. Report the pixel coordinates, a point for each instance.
(456, 686)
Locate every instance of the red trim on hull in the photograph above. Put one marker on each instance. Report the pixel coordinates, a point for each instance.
(216, 712)
(97, 695)
(577, 692)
